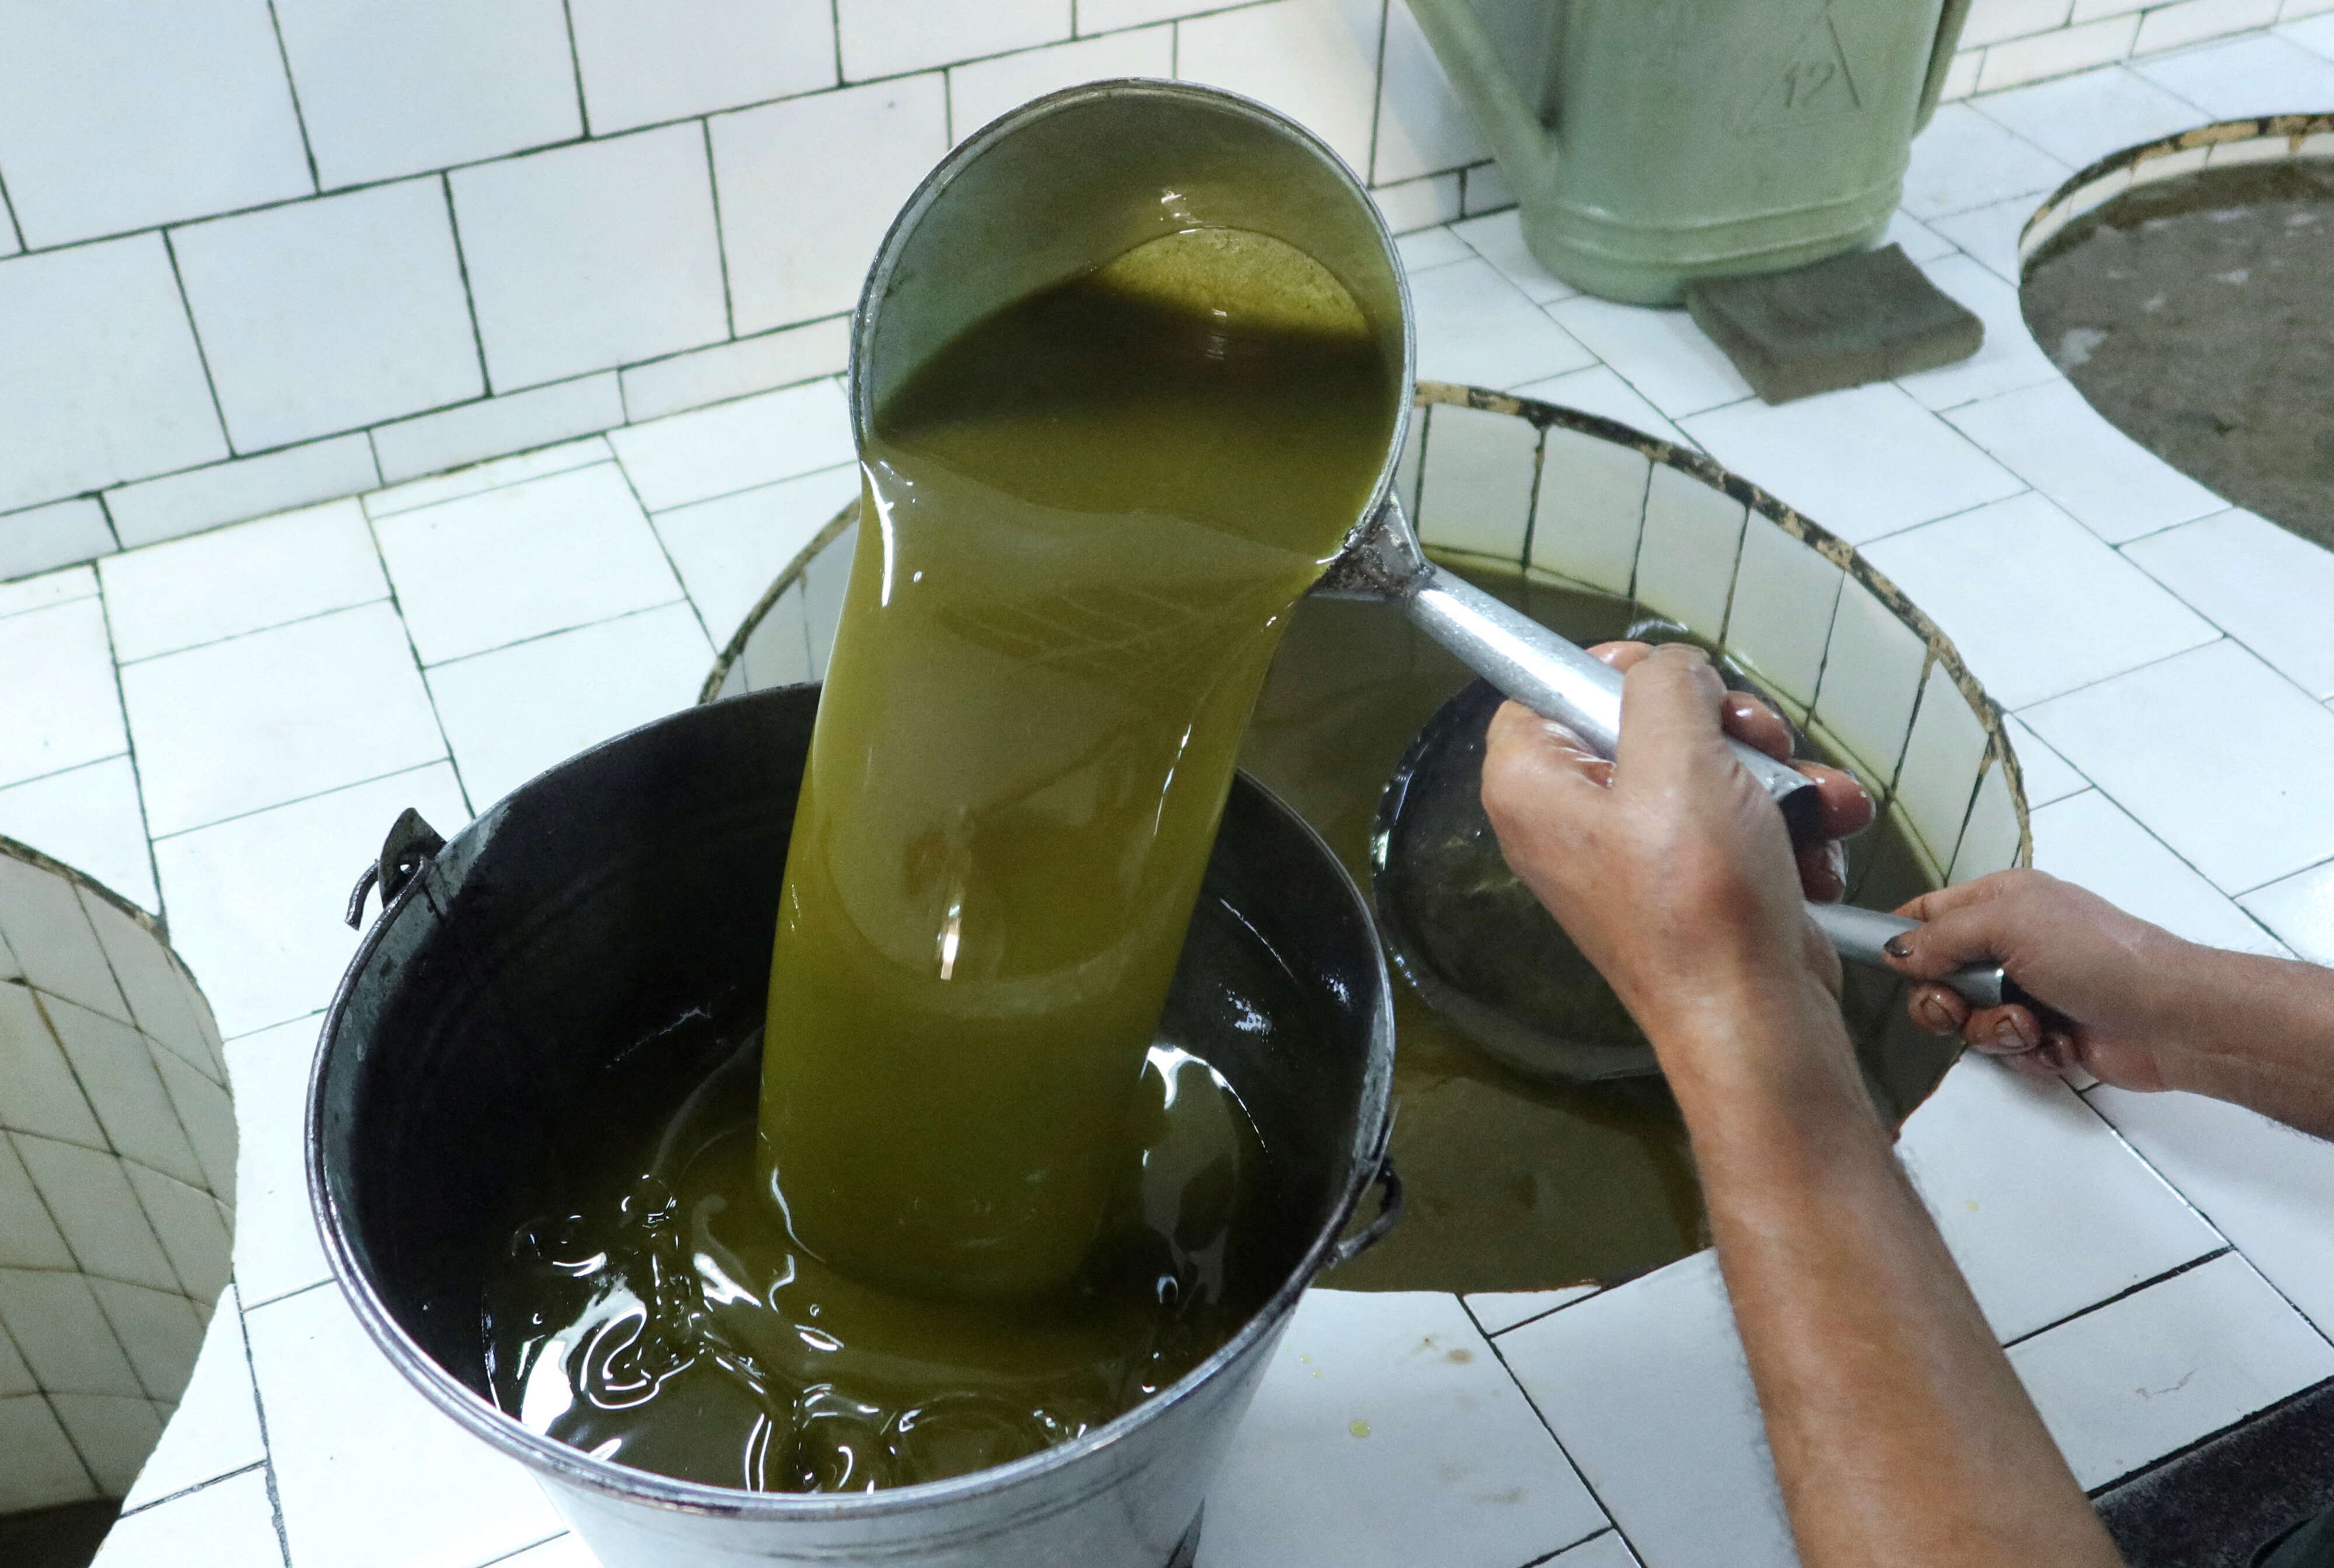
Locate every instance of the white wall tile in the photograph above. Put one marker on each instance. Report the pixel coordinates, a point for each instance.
(1419, 203)
(2264, 586)
(158, 1329)
(43, 1470)
(1992, 21)
(1104, 16)
(257, 721)
(1990, 837)
(2007, 360)
(1661, 352)
(2046, 1210)
(150, 979)
(1592, 509)
(1647, 1388)
(2045, 774)
(2084, 117)
(2299, 909)
(259, 574)
(229, 492)
(52, 939)
(1943, 755)
(1961, 75)
(2316, 35)
(732, 369)
(2239, 788)
(348, 1486)
(207, 1113)
(586, 257)
(92, 1197)
(61, 1335)
(2189, 22)
(277, 1249)
(1430, 247)
(2262, 1183)
(1872, 673)
(2035, 603)
(104, 381)
(231, 1524)
(393, 90)
(518, 562)
(1920, 242)
(255, 902)
(29, 1237)
(737, 445)
(2057, 52)
(113, 1434)
(1686, 565)
(1422, 125)
(645, 61)
(117, 1072)
(1477, 329)
(2056, 441)
(2263, 74)
(488, 475)
(1500, 241)
(1863, 463)
(2090, 840)
(48, 588)
(330, 315)
(1990, 234)
(1488, 189)
(893, 37)
(58, 709)
(2090, 10)
(1781, 618)
(193, 1226)
(1481, 471)
(2152, 1373)
(120, 114)
(1316, 61)
(729, 550)
(513, 422)
(513, 713)
(799, 228)
(1599, 389)
(979, 93)
(1963, 159)
(41, 539)
(1385, 1432)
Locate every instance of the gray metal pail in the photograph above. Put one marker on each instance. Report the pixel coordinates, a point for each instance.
(581, 917)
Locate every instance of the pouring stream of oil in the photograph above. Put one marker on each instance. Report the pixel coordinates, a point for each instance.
(984, 1212)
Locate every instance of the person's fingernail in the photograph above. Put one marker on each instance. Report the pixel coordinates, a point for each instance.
(1933, 1016)
(2007, 1032)
(1895, 948)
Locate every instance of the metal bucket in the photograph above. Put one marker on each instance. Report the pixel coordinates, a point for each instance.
(579, 919)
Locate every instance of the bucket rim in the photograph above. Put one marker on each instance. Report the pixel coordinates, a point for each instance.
(548, 1458)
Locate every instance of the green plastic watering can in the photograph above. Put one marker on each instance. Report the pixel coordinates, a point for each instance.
(1652, 142)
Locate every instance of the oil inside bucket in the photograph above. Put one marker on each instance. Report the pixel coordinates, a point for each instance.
(985, 1212)
(648, 1310)
(1515, 1183)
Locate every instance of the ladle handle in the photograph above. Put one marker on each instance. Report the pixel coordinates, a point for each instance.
(1555, 679)
(1861, 933)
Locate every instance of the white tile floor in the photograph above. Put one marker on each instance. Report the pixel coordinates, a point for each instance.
(223, 726)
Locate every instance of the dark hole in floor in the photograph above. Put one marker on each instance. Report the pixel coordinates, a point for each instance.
(2198, 315)
(66, 1537)
(2216, 1505)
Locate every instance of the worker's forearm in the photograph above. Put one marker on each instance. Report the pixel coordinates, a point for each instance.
(2256, 1031)
(1900, 1435)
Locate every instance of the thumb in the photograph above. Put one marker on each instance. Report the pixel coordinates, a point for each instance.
(1950, 939)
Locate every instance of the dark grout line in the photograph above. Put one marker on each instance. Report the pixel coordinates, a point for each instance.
(575, 67)
(259, 1414)
(469, 298)
(202, 355)
(1610, 1529)
(239, 1470)
(1579, 1475)
(130, 749)
(2274, 1407)
(716, 644)
(420, 671)
(8, 210)
(2103, 679)
(579, 626)
(720, 252)
(2222, 1251)
(834, 13)
(283, 1296)
(516, 1550)
(312, 795)
(248, 632)
(299, 115)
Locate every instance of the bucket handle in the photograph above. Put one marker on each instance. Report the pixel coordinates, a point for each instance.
(1389, 1185)
(410, 844)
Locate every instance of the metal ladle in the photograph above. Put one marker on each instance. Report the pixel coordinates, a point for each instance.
(1070, 181)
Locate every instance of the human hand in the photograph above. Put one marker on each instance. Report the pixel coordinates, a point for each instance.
(1669, 866)
(2102, 970)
